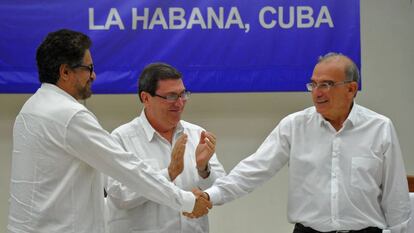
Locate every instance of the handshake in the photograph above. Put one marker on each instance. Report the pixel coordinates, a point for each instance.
(202, 204)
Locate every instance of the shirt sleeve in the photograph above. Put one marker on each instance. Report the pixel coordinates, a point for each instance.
(122, 196)
(89, 142)
(253, 171)
(395, 200)
(216, 171)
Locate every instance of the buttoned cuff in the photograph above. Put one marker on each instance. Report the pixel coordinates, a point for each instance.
(205, 183)
(188, 201)
(214, 193)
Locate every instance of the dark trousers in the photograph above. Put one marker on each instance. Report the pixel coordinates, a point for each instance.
(299, 228)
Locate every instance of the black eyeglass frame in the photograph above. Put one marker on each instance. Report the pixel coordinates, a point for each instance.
(89, 67)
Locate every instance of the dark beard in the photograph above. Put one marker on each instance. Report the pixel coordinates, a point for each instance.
(85, 92)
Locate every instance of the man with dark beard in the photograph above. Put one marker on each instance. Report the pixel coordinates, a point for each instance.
(59, 150)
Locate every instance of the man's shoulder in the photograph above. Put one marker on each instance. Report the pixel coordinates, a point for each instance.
(302, 115)
(367, 114)
(128, 128)
(51, 106)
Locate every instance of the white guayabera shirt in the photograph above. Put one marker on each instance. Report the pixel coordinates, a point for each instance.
(338, 180)
(59, 150)
(130, 211)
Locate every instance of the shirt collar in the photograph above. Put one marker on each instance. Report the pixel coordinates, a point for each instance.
(150, 132)
(53, 88)
(352, 116)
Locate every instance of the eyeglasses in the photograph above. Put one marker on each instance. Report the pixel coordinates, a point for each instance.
(324, 86)
(90, 68)
(185, 95)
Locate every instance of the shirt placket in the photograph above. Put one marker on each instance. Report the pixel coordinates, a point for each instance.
(334, 180)
(177, 182)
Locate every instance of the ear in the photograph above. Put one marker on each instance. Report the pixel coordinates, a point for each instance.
(353, 88)
(64, 72)
(145, 97)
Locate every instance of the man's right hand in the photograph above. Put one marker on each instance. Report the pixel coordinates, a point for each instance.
(201, 207)
(177, 157)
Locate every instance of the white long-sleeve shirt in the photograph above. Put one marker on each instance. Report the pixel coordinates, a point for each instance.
(130, 211)
(338, 180)
(59, 150)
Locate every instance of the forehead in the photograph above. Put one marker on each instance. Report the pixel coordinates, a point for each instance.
(87, 58)
(333, 70)
(171, 86)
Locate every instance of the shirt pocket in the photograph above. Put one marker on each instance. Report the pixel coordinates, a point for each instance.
(365, 173)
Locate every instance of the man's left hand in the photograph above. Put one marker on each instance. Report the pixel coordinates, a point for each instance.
(205, 149)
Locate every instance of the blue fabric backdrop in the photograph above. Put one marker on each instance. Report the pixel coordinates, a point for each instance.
(219, 46)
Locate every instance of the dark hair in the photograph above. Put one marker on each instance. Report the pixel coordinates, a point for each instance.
(152, 73)
(351, 70)
(60, 47)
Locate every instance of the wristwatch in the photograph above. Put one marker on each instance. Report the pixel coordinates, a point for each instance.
(204, 173)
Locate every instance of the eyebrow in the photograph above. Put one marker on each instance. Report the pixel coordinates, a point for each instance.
(175, 92)
(323, 81)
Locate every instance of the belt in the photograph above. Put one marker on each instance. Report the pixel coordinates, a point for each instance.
(299, 228)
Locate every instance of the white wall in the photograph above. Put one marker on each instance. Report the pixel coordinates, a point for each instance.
(242, 121)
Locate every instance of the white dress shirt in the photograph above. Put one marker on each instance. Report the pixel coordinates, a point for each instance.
(59, 150)
(338, 180)
(130, 211)
(411, 223)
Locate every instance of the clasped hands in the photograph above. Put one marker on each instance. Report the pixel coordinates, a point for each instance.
(202, 205)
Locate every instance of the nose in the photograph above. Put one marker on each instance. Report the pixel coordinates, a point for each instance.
(316, 92)
(180, 102)
(93, 76)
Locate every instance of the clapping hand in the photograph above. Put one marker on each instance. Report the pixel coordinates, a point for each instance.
(177, 157)
(205, 149)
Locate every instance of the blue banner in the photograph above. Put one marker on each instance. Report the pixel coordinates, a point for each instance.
(219, 46)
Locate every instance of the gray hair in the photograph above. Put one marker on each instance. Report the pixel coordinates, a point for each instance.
(351, 70)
